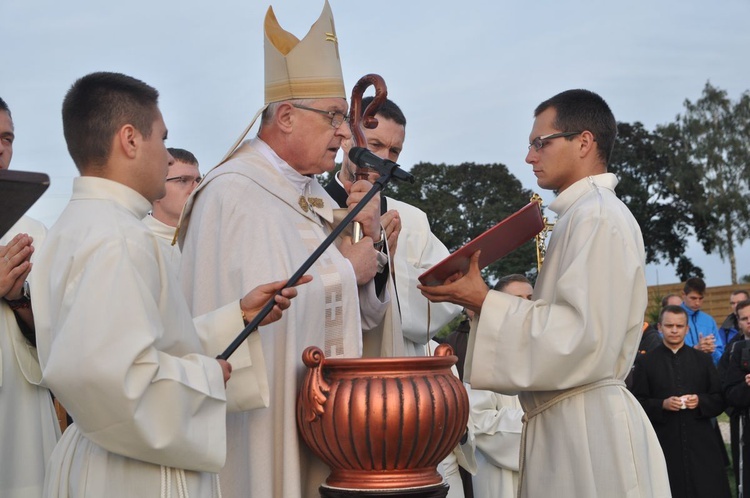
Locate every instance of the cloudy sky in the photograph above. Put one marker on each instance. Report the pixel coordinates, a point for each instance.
(467, 74)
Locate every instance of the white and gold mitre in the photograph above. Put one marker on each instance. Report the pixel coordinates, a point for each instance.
(306, 69)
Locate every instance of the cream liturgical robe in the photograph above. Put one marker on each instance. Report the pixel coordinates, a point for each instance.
(581, 329)
(164, 235)
(253, 220)
(495, 431)
(119, 348)
(417, 250)
(28, 423)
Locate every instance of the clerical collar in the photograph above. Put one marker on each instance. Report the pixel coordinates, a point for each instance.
(301, 182)
(338, 180)
(570, 195)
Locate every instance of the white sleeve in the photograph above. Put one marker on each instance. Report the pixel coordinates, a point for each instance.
(124, 394)
(247, 389)
(496, 423)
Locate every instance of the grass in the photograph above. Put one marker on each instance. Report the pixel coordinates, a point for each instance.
(730, 472)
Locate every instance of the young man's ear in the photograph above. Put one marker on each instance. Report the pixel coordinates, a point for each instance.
(127, 141)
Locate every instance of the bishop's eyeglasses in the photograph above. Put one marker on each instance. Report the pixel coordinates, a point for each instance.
(539, 142)
(337, 117)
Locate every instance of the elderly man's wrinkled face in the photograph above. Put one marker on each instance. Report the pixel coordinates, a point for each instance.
(314, 140)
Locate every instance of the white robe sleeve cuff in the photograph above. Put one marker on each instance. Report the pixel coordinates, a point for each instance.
(248, 388)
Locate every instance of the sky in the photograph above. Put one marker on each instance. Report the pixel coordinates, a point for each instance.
(466, 74)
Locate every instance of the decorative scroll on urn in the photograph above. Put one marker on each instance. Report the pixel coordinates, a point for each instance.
(382, 423)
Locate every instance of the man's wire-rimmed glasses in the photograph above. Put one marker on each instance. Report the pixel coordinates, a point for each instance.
(185, 180)
(337, 117)
(539, 142)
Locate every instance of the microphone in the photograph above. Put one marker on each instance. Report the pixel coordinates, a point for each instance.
(366, 159)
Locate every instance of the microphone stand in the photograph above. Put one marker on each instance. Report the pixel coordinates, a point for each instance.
(386, 173)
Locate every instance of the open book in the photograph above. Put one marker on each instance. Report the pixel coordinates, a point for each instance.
(19, 190)
(498, 241)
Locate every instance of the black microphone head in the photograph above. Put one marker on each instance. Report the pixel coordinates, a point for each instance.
(355, 153)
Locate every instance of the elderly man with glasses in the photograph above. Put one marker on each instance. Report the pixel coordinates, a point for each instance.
(182, 178)
(262, 213)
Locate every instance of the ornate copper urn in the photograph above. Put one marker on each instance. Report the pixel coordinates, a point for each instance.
(382, 423)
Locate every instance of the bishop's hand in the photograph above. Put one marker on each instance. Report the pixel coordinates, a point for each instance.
(362, 256)
(369, 216)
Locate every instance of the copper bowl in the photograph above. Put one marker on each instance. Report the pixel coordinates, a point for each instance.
(382, 423)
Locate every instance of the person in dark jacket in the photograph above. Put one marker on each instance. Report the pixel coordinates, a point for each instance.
(729, 328)
(736, 372)
(679, 389)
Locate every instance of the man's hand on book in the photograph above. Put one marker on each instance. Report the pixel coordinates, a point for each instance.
(468, 290)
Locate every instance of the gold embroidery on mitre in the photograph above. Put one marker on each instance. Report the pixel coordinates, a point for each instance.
(303, 203)
(302, 69)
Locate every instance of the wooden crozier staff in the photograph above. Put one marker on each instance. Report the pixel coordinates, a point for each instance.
(369, 121)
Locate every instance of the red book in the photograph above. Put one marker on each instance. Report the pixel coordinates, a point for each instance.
(500, 240)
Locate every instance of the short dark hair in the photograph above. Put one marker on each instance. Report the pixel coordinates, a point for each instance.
(583, 110)
(97, 106)
(740, 291)
(694, 284)
(4, 107)
(671, 308)
(183, 156)
(388, 109)
(508, 279)
(742, 305)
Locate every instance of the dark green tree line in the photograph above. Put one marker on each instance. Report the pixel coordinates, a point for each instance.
(462, 201)
(687, 178)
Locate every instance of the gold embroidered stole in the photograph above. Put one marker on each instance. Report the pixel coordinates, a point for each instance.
(334, 298)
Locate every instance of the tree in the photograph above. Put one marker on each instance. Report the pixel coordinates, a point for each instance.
(715, 142)
(644, 163)
(463, 201)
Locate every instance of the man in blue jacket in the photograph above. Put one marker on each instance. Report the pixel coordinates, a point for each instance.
(703, 334)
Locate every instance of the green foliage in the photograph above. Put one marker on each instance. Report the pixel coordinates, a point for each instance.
(643, 162)
(715, 163)
(450, 326)
(463, 201)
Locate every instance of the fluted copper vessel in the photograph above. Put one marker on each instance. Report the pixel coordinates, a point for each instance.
(382, 423)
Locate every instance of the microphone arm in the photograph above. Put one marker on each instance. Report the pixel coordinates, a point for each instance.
(379, 185)
(366, 159)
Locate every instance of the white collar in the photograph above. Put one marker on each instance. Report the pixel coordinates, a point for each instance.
(300, 182)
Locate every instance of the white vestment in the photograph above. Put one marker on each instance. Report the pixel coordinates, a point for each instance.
(448, 467)
(495, 429)
(28, 423)
(253, 220)
(165, 234)
(583, 327)
(417, 250)
(118, 347)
